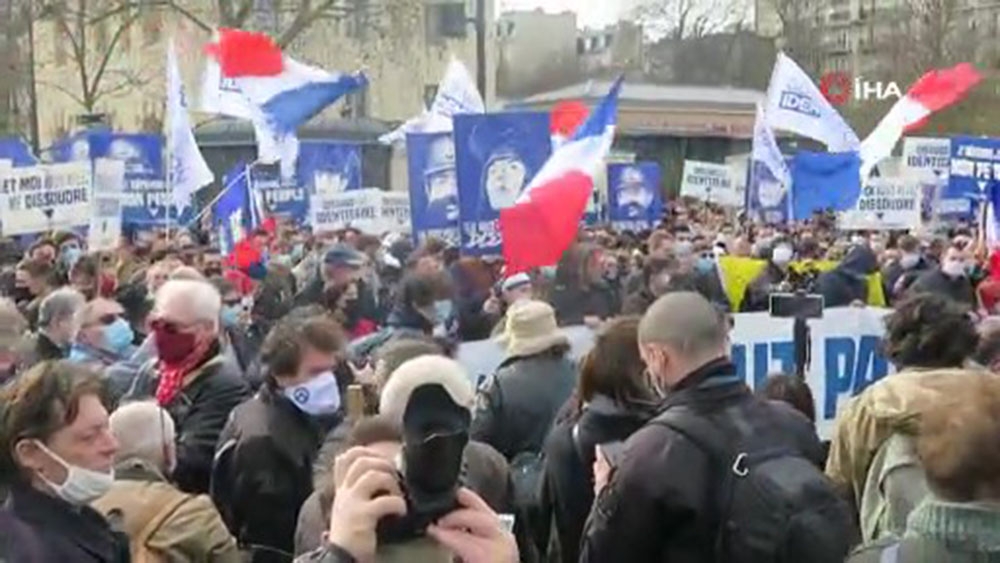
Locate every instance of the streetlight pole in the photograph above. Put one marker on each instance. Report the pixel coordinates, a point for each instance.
(481, 48)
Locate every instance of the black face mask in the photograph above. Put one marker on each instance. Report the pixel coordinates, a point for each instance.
(212, 272)
(21, 294)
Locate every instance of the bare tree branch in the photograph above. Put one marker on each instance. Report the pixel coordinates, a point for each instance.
(109, 52)
(303, 19)
(69, 93)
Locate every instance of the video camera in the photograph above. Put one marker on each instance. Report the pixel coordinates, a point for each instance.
(435, 433)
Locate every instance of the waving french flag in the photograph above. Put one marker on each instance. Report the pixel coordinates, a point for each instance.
(282, 94)
(544, 221)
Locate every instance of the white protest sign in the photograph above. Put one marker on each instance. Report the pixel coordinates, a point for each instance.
(106, 217)
(845, 354)
(369, 210)
(884, 204)
(34, 199)
(6, 163)
(711, 183)
(927, 165)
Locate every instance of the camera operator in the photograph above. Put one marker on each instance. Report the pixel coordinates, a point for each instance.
(368, 490)
(774, 274)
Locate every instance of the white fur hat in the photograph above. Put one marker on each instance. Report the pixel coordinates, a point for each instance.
(420, 371)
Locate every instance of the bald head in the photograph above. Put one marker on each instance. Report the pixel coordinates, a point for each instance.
(679, 333)
(684, 320)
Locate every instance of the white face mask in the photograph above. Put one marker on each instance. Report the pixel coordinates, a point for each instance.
(318, 396)
(953, 268)
(782, 255)
(82, 486)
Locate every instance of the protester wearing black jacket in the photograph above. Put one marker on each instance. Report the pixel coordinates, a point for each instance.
(263, 470)
(612, 401)
(660, 501)
(580, 292)
(848, 282)
(193, 379)
(950, 279)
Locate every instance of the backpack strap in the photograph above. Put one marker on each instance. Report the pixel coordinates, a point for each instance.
(707, 437)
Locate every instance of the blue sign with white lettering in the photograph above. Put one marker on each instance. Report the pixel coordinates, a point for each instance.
(975, 168)
(497, 155)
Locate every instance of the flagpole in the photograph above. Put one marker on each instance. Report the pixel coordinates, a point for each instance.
(222, 192)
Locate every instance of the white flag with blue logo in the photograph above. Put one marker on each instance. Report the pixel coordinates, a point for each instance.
(188, 171)
(795, 104)
(457, 94)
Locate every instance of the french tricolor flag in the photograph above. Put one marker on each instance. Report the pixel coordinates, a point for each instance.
(932, 92)
(282, 94)
(544, 221)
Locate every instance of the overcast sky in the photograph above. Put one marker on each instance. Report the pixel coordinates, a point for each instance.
(590, 13)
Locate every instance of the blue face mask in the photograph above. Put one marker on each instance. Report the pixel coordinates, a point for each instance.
(298, 251)
(230, 316)
(318, 396)
(118, 337)
(70, 256)
(442, 311)
(705, 265)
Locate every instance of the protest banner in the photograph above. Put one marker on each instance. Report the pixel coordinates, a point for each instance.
(927, 165)
(34, 199)
(497, 155)
(327, 166)
(433, 187)
(6, 163)
(711, 183)
(844, 351)
(147, 201)
(635, 202)
(885, 203)
(106, 217)
(370, 210)
(975, 167)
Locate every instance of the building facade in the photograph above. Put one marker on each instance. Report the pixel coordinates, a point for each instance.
(403, 46)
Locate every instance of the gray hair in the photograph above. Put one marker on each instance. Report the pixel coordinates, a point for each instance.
(686, 321)
(198, 296)
(144, 431)
(63, 303)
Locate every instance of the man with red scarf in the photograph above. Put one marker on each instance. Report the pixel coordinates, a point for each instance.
(192, 378)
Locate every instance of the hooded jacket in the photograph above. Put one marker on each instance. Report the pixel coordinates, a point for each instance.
(848, 282)
(890, 406)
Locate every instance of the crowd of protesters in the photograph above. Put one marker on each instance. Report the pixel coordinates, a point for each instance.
(299, 400)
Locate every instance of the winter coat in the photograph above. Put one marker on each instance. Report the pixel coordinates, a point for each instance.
(758, 295)
(568, 489)
(200, 411)
(959, 289)
(889, 406)
(573, 303)
(263, 471)
(659, 504)
(515, 408)
(848, 282)
(175, 525)
(42, 528)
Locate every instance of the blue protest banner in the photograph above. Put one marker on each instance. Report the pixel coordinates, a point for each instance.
(147, 201)
(322, 165)
(635, 202)
(433, 187)
(497, 155)
(232, 213)
(17, 151)
(975, 167)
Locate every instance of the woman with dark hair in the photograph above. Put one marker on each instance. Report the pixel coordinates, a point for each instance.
(873, 454)
(473, 286)
(581, 295)
(792, 390)
(613, 399)
(341, 301)
(423, 308)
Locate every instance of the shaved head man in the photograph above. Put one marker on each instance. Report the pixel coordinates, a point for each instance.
(680, 333)
(660, 500)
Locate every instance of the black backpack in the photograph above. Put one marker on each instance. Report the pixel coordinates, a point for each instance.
(772, 505)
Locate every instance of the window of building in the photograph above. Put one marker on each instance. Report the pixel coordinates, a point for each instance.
(59, 41)
(581, 45)
(445, 21)
(152, 27)
(430, 92)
